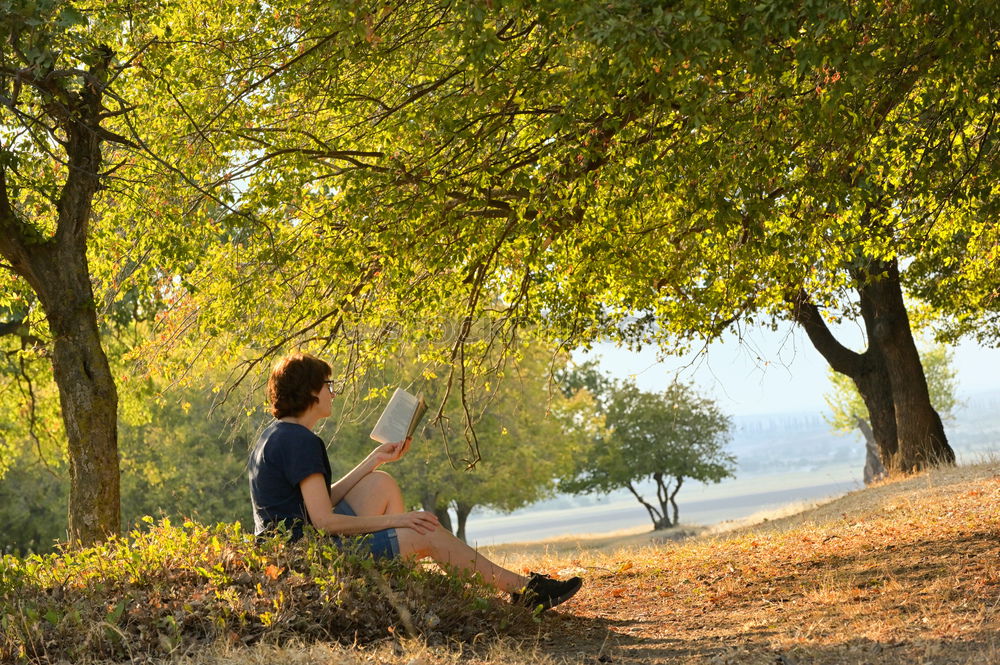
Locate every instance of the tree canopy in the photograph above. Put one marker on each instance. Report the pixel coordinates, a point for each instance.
(647, 174)
(256, 176)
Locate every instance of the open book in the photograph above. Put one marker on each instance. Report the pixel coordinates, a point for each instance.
(401, 416)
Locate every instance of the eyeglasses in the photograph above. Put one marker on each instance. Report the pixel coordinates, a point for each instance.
(329, 386)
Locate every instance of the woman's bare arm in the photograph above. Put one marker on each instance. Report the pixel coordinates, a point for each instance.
(387, 452)
(321, 515)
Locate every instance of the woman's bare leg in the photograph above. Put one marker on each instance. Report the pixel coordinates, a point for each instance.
(379, 494)
(446, 549)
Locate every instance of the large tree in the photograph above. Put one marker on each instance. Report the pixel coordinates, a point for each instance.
(650, 174)
(86, 233)
(54, 88)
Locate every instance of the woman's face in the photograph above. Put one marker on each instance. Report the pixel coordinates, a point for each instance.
(325, 397)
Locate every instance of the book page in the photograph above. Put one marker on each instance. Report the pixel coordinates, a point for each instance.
(394, 423)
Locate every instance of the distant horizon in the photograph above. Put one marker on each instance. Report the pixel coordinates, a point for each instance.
(765, 372)
(962, 396)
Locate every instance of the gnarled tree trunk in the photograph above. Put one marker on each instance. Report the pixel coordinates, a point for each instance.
(919, 430)
(888, 374)
(56, 269)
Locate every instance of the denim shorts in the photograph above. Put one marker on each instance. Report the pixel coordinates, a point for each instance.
(382, 544)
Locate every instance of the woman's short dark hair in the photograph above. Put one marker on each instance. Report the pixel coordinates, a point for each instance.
(293, 383)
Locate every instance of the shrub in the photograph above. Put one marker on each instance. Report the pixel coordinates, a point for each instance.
(169, 589)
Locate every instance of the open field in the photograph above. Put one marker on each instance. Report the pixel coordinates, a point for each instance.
(904, 572)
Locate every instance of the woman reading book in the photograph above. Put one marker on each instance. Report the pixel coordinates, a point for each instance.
(291, 486)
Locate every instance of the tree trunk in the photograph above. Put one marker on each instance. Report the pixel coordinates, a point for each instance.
(874, 385)
(662, 498)
(673, 499)
(874, 470)
(919, 430)
(867, 370)
(462, 511)
(59, 274)
(56, 269)
(89, 401)
(906, 428)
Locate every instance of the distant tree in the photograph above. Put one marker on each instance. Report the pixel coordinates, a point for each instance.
(848, 411)
(667, 437)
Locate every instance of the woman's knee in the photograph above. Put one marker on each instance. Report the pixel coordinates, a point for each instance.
(414, 543)
(383, 478)
(375, 494)
(379, 482)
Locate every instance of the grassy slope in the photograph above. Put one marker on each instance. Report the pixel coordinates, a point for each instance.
(906, 572)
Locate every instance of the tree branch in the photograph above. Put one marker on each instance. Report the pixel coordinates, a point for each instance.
(807, 315)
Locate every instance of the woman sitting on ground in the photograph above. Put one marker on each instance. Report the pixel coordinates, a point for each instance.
(290, 485)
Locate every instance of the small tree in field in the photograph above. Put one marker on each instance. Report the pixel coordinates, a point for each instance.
(848, 411)
(666, 437)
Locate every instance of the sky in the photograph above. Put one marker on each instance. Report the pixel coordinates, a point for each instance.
(773, 372)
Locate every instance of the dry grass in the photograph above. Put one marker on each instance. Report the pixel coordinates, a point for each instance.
(906, 572)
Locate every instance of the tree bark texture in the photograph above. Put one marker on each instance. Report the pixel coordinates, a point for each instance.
(906, 429)
(919, 430)
(56, 268)
(89, 402)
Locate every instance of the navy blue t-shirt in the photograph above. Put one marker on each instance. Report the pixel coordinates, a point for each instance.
(285, 454)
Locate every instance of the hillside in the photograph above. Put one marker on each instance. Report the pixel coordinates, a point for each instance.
(905, 572)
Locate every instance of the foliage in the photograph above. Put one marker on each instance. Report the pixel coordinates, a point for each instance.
(724, 158)
(523, 427)
(168, 589)
(645, 173)
(667, 437)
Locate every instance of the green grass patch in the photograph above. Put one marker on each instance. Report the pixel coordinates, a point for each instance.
(170, 589)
